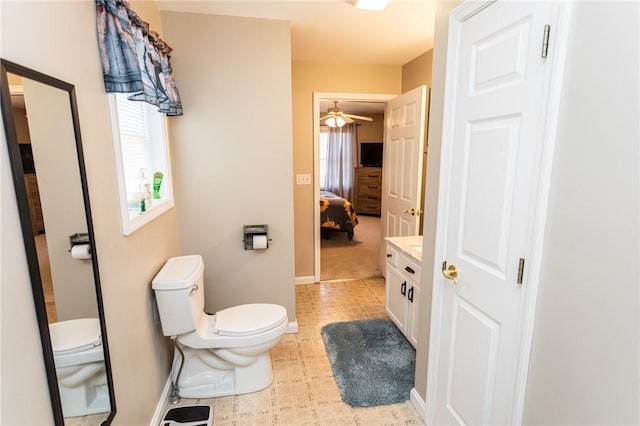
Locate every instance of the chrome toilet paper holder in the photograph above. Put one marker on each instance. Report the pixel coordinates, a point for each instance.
(251, 231)
(78, 238)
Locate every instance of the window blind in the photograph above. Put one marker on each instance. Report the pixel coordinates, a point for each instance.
(134, 141)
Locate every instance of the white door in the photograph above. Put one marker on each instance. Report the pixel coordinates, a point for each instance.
(496, 116)
(403, 160)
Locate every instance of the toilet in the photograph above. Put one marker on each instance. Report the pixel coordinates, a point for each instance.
(226, 353)
(79, 359)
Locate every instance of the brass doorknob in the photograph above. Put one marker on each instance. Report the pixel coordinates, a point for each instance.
(450, 273)
(413, 212)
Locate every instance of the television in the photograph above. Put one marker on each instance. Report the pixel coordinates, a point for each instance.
(371, 154)
(27, 158)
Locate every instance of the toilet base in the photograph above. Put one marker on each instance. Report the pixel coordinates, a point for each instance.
(91, 397)
(199, 380)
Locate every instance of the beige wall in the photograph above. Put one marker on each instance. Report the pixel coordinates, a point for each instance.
(584, 366)
(60, 189)
(417, 71)
(307, 78)
(139, 354)
(372, 131)
(233, 156)
(585, 357)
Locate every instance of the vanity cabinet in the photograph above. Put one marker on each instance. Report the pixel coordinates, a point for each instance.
(402, 291)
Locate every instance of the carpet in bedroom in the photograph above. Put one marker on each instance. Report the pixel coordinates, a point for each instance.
(341, 258)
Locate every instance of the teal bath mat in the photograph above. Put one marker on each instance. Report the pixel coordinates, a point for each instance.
(372, 362)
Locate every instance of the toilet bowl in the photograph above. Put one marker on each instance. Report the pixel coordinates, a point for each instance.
(226, 353)
(79, 359)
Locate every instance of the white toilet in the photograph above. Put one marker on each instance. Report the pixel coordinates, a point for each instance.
(79, 359)
(216, 355)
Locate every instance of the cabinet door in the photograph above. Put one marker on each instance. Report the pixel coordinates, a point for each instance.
(396, 300)
(412, 321)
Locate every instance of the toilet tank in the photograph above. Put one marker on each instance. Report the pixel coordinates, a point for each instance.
(179, 290)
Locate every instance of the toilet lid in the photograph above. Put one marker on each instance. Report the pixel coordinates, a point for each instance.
(75, 335)
(249, 319)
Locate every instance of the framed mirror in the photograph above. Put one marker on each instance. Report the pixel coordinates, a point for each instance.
(41, 123)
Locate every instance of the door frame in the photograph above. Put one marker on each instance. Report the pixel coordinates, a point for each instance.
(551, 99)
(317, 97)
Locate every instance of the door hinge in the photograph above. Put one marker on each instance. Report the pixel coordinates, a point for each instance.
(545, 41)
(520, 270)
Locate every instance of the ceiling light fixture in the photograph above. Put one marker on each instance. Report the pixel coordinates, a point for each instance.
(372, 4)
(335, 122)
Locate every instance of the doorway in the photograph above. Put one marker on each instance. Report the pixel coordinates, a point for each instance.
(353, 263)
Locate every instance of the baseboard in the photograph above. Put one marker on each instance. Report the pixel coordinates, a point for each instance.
(418, 403)
(309, 279)
(293, 327)
(162, 404)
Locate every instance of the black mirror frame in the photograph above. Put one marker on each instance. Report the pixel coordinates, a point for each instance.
(27, 233)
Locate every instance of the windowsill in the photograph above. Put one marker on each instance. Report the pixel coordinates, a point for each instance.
(139, 219)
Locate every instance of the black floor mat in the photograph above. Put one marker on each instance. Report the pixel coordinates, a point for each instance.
(192, 415)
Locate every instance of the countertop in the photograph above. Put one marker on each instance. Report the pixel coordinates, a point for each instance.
(410, 245)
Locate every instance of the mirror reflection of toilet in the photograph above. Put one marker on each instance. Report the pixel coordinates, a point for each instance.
(215, 355)
(79, 361)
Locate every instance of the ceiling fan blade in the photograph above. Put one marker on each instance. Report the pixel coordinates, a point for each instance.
(358, 117)
(347, 119)
(325, 117)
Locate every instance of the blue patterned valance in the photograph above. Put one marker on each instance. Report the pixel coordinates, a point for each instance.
(134, 59)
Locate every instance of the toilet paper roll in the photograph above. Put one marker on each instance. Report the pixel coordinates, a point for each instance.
(81, 251)
(259, 242)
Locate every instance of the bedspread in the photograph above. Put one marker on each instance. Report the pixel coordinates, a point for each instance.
(336, 214)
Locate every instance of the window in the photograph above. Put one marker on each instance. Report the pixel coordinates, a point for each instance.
(324, 139)
(141, 160)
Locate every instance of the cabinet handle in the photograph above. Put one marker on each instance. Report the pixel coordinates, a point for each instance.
(403, 288)
(410, 295)
(389, 255)
(372, 187)
(409, 270)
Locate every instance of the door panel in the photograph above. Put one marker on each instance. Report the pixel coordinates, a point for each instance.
(473, 359)
(497, 113)
(487, 192)
(402, 173)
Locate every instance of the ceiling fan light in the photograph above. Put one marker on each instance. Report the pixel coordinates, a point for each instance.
(372, 4)
(331, 122)
(340, 121)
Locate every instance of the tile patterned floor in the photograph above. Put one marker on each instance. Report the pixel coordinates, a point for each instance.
(304, 391)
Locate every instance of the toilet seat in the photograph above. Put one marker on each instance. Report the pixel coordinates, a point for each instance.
(68, 337)
(238, 327)
(76, 341)
(249, 319)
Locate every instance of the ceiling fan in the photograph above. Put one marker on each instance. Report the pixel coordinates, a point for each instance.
(337, 118)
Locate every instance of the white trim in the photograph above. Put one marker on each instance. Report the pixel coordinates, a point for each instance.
(553, 83)
(162, 404)
(293, 327)
(317, 97)
(308, 279)
(437, 295)
(131, 224)
(561, 23)
(418, 403)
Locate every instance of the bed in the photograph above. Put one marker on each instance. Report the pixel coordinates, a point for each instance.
(336, 214)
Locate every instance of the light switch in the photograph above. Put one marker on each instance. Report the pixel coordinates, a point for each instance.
(303, 179)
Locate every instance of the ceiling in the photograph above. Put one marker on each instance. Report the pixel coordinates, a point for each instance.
(334, 30)
(353, 107)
